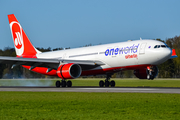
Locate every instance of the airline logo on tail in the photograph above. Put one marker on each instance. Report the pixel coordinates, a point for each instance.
(16, 30)
(23, 46)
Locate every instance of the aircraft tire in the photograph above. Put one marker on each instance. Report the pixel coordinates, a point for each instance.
(63, 83)
(58, 83)
(113, 83)
(106, 83)
(69, 83)
(148, 76)
(151, 77)
(101, 83)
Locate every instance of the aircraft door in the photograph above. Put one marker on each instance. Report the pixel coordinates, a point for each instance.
(142, 48)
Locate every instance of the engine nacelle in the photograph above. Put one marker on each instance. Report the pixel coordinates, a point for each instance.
(69, 71)
(143, 72)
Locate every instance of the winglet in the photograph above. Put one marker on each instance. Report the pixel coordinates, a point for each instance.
(23, 46)
(173, 54)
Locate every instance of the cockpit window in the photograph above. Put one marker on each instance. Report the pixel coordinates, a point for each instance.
(163, 46)
(160, 46)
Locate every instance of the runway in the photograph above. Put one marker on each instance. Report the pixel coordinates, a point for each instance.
(92, 89)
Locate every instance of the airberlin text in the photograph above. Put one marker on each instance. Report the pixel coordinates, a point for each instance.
(123, 50)
(131, 56)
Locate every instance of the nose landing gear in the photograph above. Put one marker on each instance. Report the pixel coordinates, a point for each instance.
(150, 73)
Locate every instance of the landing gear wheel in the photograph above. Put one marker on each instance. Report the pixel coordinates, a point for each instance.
(151, 77)
(106, 83)
(101, 83)
(63, 83)
(112, 83)
(69, 83)
(148, 77)
(58, 83)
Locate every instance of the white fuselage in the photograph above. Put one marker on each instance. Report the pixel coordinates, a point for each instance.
(130, 53)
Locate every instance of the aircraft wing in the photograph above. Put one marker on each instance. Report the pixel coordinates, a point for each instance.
(49, 63)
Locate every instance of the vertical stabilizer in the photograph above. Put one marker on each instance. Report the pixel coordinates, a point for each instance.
(22, 44)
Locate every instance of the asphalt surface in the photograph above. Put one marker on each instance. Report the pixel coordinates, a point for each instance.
(91, 89)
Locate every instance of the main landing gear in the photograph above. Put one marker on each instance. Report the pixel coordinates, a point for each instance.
(150, 77)
(107, 82)
(63, 83)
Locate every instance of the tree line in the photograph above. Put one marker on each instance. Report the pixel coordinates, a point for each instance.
(169, 69)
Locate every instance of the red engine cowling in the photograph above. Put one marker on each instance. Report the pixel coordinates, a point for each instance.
(143, 72)
(69, 71)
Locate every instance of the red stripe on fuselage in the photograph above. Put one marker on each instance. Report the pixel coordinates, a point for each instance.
(42, 70)
(112, 70)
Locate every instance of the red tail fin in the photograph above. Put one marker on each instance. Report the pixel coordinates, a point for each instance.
(22, 44)
(173, 54)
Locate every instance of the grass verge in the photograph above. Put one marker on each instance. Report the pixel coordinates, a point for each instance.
(130, 82)
(88, 106)
(94, 82)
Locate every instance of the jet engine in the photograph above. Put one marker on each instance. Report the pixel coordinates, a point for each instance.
(145, 73)
(69, 71)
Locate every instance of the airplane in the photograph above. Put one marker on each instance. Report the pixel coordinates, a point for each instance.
(142, 56)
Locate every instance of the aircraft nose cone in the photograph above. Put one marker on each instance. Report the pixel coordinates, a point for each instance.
(165, 54)
(168, 53)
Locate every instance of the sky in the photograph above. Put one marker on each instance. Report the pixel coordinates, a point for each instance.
(76, 23)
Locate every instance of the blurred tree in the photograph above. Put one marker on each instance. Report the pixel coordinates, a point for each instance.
(57, 49)
(174, 43)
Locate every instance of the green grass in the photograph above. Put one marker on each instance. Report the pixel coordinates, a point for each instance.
(131, 82)
(88, 106)
(93, 82)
